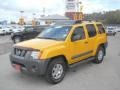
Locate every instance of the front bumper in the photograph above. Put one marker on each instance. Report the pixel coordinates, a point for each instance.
(37, 67)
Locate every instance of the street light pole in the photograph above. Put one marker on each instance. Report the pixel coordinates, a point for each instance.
(44, 12)
(79, 11)
(21, 20)
(34, 20)
(81, 16)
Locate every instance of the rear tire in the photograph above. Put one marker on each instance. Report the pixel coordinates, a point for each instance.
(99, 55)
(56, 71)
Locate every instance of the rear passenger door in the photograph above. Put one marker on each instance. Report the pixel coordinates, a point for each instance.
(92, 36)
(101, 33)
(101, 30)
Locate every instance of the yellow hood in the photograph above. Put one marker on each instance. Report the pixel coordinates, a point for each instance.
(39, 44)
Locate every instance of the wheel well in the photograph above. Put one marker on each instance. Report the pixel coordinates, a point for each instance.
(103, 46)
(60, 56)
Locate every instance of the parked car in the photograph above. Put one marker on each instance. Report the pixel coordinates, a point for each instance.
(8, 30)
(16, 29)
(111, 31)
(118, 29)
(27, 33)
(5, 30)
(58, 48)
(2, 31)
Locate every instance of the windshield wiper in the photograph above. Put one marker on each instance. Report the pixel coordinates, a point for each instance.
(44, 38)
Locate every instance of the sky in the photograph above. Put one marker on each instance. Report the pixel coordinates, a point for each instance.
(10, 9)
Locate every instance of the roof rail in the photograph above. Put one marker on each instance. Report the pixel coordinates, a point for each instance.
(90, 20)
(71, 22)
(68, 22)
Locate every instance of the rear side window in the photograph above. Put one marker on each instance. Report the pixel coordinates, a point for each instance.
(91, 30)
(101, 28)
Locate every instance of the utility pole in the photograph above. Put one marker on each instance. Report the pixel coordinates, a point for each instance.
(21, 20)
(79, 11)
(34, 20)
(44, 11)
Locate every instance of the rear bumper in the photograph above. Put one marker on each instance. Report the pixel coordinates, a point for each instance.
(37, 67)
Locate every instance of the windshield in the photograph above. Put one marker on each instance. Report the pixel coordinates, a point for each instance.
(57, 33)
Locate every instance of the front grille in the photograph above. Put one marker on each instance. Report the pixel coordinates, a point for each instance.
(20, 52)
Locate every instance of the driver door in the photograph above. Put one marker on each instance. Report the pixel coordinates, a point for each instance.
(79, 45)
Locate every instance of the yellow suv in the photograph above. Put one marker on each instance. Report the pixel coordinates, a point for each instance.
(59, 47)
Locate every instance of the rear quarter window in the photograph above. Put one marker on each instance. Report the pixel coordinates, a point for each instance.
(100, 28)
(91, 30)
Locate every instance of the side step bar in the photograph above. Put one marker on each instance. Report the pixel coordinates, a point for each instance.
(82, 61)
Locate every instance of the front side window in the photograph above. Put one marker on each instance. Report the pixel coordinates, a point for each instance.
(56, 33)
(78, 34)
(91, 30)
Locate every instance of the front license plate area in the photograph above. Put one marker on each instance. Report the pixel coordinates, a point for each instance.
(18, 67)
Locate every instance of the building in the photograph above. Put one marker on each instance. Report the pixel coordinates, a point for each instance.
(47, 20)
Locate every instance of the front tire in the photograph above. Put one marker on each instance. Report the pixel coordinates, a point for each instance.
(99, 55)
(56, 71)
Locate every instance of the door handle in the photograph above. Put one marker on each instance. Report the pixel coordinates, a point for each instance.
(86, 42)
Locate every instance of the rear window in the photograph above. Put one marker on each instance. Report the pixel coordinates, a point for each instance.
(91, 30)
(101, 28)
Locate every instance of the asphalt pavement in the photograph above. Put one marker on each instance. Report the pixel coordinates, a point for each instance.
(5, 44)
(86, 76)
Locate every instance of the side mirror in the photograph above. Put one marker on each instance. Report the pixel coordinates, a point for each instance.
(75, 37)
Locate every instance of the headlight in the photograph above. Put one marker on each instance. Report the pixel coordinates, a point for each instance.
(35, 54)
